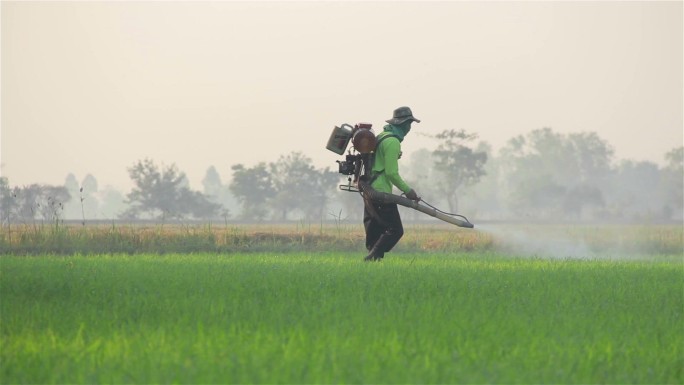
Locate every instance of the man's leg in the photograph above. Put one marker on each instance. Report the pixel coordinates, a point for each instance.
(394, 230)
(373, 228)
(391, 230)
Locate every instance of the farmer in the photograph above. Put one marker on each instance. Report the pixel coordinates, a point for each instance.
(381, 220)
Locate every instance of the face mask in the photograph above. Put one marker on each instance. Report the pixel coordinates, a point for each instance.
(406, 126)
(399, 130)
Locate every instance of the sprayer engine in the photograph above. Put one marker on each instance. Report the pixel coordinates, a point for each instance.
(348, 166)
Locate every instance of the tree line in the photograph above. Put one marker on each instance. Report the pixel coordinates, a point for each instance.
(545, 175)
(542, 175)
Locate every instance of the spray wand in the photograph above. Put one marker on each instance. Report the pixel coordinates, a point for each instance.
(381, 197)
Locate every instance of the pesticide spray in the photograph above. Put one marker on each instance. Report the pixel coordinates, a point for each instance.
(358, 163)
(575, 241)
(536, 241)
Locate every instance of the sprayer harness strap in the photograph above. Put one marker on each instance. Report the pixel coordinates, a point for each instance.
(375, 175)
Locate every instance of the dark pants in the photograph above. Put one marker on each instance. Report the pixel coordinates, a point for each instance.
(385, 230)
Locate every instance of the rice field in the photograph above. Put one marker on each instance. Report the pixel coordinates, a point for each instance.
(425, 314)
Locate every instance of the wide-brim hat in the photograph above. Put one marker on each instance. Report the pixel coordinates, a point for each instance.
(401, 115)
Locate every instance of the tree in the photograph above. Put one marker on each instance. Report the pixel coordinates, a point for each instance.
(300, 186)
(593, 157)
(89, 184)
(545, 173)
(484, 198)
(633, 192)
(581, 197)
(164, 192)
(673, 180)
(458, 164)
(418, 170)
(112, 202)
(88, 196)
(51, 200)
(212, 183)
(538, 193)
(325, 184)
(6, 200)
(72, 210)
(216, 192)
(32, 202)
(349, 206)
(253, 188)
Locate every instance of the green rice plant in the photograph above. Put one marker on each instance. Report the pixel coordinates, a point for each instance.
(309, 317)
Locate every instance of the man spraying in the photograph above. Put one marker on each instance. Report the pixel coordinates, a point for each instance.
(382, 221)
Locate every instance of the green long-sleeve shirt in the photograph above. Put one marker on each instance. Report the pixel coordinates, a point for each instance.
(386, 166)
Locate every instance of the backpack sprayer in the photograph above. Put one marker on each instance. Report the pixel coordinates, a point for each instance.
(358, 164)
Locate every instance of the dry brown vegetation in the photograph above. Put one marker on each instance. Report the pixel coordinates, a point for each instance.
(519, 239)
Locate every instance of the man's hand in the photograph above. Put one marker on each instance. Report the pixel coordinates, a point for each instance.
(412, 195)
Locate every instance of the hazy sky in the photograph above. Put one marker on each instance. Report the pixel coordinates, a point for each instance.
(92, 87)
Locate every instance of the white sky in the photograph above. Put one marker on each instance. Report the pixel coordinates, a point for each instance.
(92, 87)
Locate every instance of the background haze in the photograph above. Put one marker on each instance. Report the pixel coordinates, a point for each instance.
(91, 87)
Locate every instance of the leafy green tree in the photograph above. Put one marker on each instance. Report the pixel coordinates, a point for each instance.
(253, 188)
(300, 186)
(458, 164)
(545, 173)
(163, 192)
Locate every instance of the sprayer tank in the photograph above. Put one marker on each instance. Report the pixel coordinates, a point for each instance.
(339, 139)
